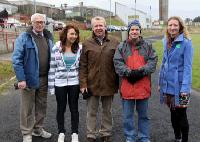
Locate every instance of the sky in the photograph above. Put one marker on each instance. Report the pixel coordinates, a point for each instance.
(182, 8)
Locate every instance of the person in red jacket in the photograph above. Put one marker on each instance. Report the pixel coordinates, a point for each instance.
(135, 61)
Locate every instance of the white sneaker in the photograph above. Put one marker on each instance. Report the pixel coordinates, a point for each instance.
(74, 137)
(43, 134)
(177, 140)
(61, 137)
(27, 138)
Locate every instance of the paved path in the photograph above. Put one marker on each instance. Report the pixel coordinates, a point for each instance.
(5, 57)
(161, 130)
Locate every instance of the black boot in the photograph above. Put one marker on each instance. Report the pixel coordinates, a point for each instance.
(105, 139)
(90, 139)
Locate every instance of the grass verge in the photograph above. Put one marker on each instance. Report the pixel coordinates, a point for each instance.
(6, 73)
(84, 34)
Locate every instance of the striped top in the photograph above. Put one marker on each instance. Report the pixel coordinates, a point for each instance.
(59, 75)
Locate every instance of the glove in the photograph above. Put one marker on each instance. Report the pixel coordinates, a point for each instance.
(135, 75)
(87, 95)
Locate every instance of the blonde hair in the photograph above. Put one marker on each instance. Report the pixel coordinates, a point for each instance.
(183, 28)
(98, 18)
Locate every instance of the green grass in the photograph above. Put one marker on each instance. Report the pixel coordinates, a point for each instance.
(114, 21)
(56, 36)
(196, 60)
(150, 33)
(159, 50)
(84, 34)
(6, 72)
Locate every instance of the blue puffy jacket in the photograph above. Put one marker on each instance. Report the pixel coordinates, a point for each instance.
(176, 68)
(25, 57)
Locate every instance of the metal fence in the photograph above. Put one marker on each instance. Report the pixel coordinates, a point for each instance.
(7, 38)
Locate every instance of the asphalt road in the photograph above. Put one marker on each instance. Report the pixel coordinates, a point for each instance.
(5, 57)
(161, 130)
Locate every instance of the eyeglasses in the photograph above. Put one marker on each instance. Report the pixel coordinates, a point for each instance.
(39, 22)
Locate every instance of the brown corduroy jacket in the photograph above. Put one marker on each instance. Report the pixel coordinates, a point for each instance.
(96, 66)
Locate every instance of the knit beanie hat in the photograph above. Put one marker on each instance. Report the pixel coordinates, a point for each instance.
(134, 23)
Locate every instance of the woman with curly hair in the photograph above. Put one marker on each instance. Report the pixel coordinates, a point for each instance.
(176, 75)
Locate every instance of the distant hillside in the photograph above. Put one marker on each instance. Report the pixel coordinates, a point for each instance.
(115, 20)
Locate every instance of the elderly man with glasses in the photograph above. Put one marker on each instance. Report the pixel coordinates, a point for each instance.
(30, 59)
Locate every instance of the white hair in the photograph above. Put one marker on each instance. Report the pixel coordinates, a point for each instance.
(38, 15)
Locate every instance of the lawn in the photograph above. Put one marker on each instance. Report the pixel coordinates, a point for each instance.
(196, 59)
(114, 21)
(6, 73)
(84, 34)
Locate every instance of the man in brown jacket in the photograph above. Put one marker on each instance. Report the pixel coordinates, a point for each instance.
(97, 75)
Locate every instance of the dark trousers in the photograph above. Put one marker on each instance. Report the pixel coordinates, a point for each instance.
(180, 123)
(70, 94)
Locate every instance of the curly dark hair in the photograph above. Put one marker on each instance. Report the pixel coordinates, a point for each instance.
(63, 38)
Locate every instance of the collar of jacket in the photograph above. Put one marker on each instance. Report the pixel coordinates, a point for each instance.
(138, 44)
(104, 39)
(46, 33)
(179, 38)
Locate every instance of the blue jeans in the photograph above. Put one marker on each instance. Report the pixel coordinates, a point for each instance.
(128, 120)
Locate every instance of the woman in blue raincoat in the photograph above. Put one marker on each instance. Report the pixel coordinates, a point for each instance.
(176, 75)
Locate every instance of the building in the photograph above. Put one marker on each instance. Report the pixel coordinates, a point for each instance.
(10, 8)
(27, 7)
(163, 10)
(86, 11)
(131, 13)
(140, 16)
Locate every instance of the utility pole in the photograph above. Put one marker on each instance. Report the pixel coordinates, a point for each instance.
(150, 18)
(34, 1)
(135, 9)
(110, 12)
(81, 8)
(51, 9)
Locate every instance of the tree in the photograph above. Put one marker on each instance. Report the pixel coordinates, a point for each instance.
(196, 19)
(187, 20)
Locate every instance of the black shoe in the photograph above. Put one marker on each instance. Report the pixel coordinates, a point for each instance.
(90, 139)
(105, 139)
